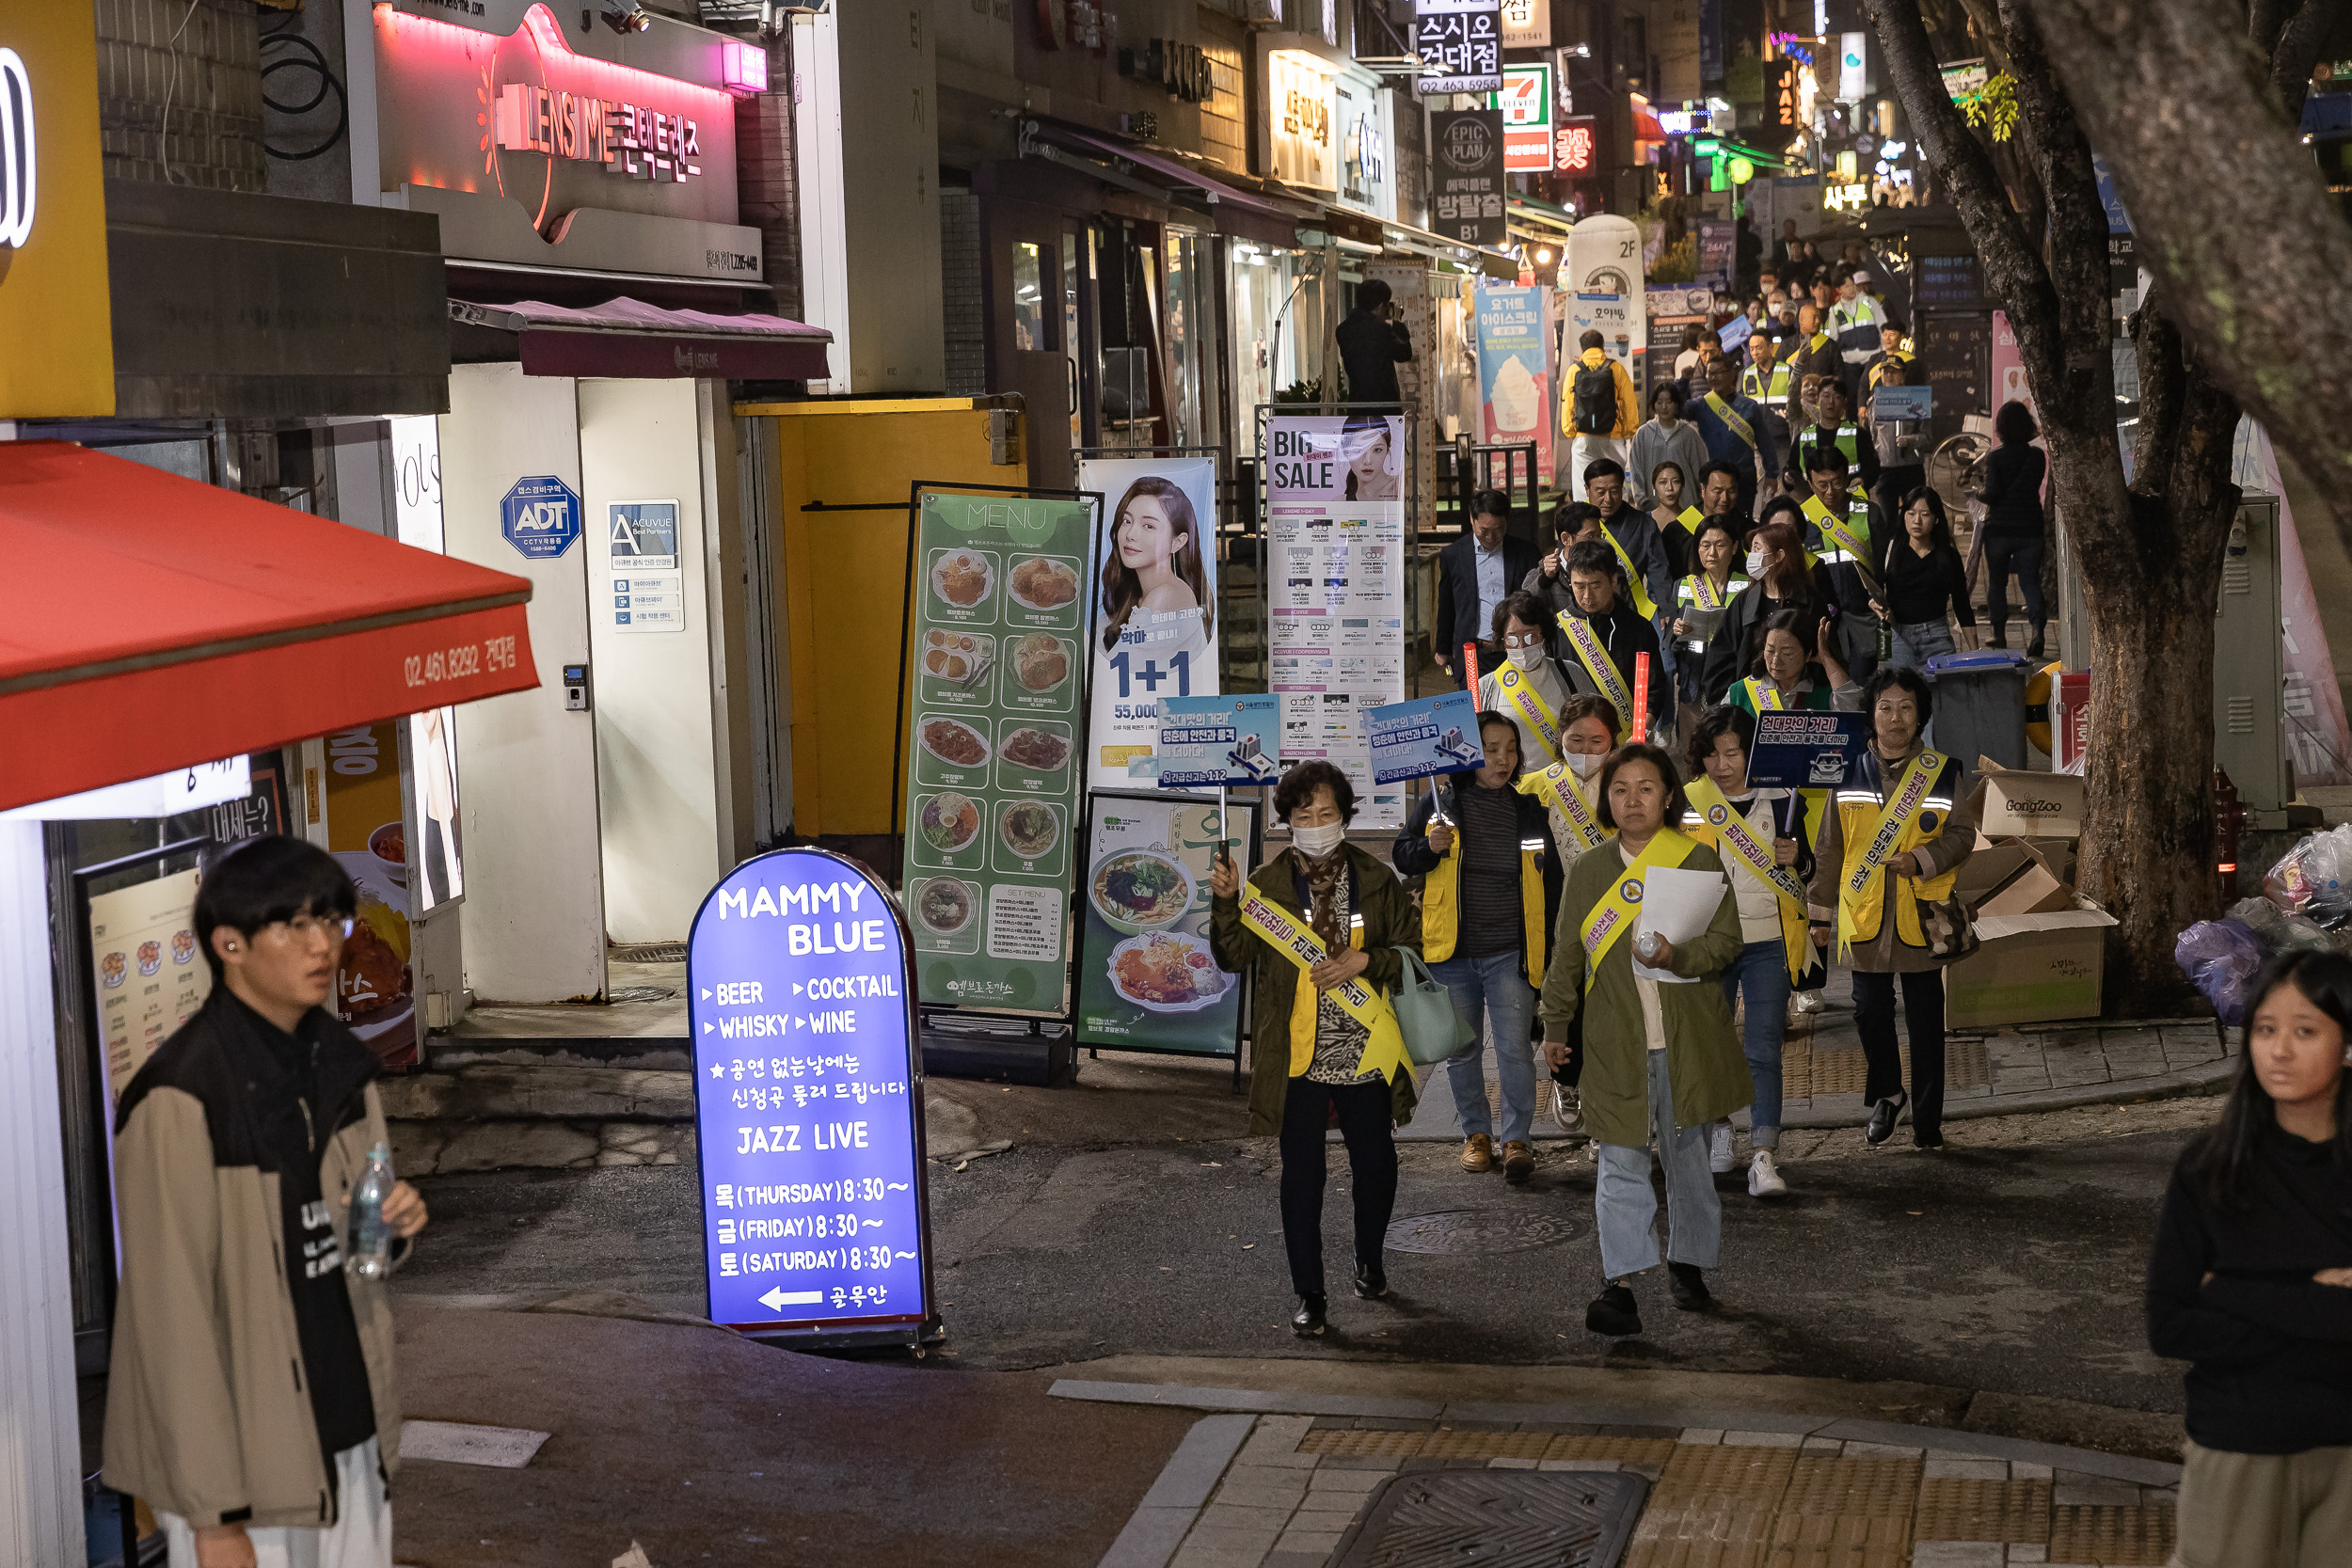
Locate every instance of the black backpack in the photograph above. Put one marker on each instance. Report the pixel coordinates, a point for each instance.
(1595, 391)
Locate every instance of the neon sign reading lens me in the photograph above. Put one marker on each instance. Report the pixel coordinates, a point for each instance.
(627, 138)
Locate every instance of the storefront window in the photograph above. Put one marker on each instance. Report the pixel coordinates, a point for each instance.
(1255, 277)
(1183, 335)
(1456, 357)
(1028, 297)
(1070, 335)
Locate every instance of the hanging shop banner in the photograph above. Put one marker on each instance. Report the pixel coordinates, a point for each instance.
(808, 1114)
(367, 833)
(1155, 633)
(1425, 738)
(1525, 104)
(1526, 23)
(1467, 176)
(1610, 315)
(1146, 976)
(1718, 241)
(1515, 369)
(991, 750)
(1804, 750)
(152, 976)
(1208, 741)
(1460, 46)
(1335, 531)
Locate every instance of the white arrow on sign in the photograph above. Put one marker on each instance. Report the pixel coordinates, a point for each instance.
(705, 993)
(779, 1298)
(705, 1028)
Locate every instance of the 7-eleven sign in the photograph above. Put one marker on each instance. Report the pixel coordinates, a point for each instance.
(1526, 104)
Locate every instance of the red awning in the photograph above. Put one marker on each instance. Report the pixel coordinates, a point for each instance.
(1646, 126)
(159, 621)
(630, 337)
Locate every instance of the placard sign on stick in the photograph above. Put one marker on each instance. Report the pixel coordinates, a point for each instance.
(809, 1110)
(1218, 740)
(1903, 403)
(1424, 736)
(1805, 751)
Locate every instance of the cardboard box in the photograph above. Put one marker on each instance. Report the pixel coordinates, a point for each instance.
(2016, 875)
(2032, 969)
(2021, 804)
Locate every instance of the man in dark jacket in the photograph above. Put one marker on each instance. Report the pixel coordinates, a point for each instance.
(1476, 572)
(1371, 344)
(252, 1401)
(1613, 629)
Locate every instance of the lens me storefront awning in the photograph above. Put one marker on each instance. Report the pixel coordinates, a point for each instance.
(630, 337)
(160, 622)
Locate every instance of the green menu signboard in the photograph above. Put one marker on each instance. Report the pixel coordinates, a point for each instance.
(995, 737)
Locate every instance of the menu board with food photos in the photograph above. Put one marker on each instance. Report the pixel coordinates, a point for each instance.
(997, 722)
(1147, 980)
(150, 974)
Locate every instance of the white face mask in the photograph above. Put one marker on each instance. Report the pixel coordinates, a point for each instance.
(1582, 763)
(1315, 843)
(1527, 657)
(1755, 562)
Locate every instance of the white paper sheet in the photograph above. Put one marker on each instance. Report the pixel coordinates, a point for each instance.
(1678, 905)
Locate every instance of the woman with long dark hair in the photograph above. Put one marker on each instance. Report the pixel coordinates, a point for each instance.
(2250, 1283)
(1921, 581)
(1155, 561)
(1779, 579)
(2014, 526)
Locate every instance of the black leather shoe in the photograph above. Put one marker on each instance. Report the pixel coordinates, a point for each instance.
(1883, 1115)
(1613, 1312)
(1372, 1281)
(1689, 1288)
(1308, 1320)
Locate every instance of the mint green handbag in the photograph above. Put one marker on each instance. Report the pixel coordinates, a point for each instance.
(1433, 1027)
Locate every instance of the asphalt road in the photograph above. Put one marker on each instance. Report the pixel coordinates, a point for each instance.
(2006, 1264)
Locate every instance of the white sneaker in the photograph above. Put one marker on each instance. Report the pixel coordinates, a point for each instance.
(1567, 1110)
(1719, 1148)
(1808, 1001)
(1764, 1176)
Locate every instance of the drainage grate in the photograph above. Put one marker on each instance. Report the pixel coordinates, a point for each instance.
(1500, 1518)
(1481, 1230)
(649, 953)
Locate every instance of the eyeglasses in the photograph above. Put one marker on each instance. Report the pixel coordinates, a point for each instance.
(1526, 639)
(302, 928)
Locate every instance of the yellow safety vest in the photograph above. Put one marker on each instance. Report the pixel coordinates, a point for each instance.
(1874, 830)
(1441, 906)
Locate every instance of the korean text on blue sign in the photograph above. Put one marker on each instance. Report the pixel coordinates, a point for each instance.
(540, 517)
(1218, 740)
(1903, 403)
(1805, 751)
(1425, 735)
(805, 1099)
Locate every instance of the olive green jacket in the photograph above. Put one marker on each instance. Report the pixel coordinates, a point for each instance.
(1703, 1056)
(1392, 920)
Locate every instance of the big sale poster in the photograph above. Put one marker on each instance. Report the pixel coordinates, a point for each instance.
(1334, 539)
(994, 733)
(1156, 593)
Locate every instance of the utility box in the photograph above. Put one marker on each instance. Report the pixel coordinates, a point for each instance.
(2248, 664)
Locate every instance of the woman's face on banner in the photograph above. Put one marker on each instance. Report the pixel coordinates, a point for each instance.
(1146, 537)
(1368, 455)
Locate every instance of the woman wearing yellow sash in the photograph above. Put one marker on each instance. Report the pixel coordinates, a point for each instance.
(1703, 598)
(1779, 577)
(1899, 830)
(1489, 887)
(1788, 677)
(1660, 1059)
(1760, 836)
(1324, 1047)
(1529, 688)
(1570, 790)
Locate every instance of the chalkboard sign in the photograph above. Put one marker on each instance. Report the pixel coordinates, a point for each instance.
(1956, 354)
(1949, 283)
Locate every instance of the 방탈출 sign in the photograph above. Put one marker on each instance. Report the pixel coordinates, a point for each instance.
(540, 517)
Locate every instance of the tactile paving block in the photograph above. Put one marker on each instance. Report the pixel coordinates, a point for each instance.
(2112, 1535)
(1625, 1450)
(1486, 1444)
(1714, 1508)
(1956, 1510)
(1849, 1513)
(1844, 1072)
(1364, 1445)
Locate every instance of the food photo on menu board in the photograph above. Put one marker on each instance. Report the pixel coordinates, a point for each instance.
(1155, 631)
(1146, 976)
(995, 723)
(1334, 539)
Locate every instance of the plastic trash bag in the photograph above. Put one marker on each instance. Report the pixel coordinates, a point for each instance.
(2220, 958)
(2314, 879)
(2278, 931)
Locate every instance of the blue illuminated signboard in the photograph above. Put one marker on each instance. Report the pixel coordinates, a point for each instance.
(808, 1101)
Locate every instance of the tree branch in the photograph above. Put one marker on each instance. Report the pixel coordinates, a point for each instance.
(2295, 52)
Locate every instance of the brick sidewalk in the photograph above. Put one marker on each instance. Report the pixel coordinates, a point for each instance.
(1288, 1491)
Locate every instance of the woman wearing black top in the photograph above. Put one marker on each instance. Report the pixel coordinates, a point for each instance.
(2014, 526)
(1921, 577)
(2251, 1284)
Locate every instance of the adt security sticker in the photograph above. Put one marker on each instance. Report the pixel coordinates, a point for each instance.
(540, 517)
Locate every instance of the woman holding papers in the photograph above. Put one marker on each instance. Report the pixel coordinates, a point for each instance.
(1489, 885)
(1882, 878)
(1317, 928)
(1763, 838)
(1787, 677)
(1661, 1060)
(1704, 599)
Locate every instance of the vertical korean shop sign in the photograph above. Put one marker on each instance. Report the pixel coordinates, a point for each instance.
(808, 1101)
(996, 732)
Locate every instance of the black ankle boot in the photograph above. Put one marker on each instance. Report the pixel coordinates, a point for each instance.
(1613, 1312)
(1689, 1288)
(1308, 1320)
(1372, 1281)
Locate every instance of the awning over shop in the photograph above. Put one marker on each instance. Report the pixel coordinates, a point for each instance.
(175, 623)
(1237, 212)
(630, 337)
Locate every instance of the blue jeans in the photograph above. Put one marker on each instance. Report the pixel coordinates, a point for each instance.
(1627, 1209)
(1920, 642)
(1761, 972)
(1494, 989)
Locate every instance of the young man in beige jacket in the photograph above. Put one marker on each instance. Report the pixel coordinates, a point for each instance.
(252, 1399)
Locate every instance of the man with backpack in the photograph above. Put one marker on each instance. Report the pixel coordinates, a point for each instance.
(1600, 410)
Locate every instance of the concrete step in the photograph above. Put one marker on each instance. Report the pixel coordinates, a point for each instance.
(641, 1053)
(548, 1114)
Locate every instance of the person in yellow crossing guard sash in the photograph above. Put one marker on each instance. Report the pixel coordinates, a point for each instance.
(1529, 688)
(1570, 792)
(1317, 929)
(1763, 838)
(1703, 597)
(1489, 884)
(1600, 637)
(1661, 1061)
(1889, 849)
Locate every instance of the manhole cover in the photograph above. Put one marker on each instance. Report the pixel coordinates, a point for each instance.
(1481, 1230)
(651, 953)
(1503, 1518)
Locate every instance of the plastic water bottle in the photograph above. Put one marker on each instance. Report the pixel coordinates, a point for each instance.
(1645, 947)
(370, 1238)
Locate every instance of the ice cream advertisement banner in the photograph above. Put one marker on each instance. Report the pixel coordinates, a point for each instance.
(1156, 597)
(1515, 369)
(1335, 536)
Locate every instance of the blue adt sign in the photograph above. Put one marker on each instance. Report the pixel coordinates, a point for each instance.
(808, 1101)
(540, 517)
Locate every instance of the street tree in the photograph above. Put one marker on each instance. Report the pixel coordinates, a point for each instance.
(2150, 545)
